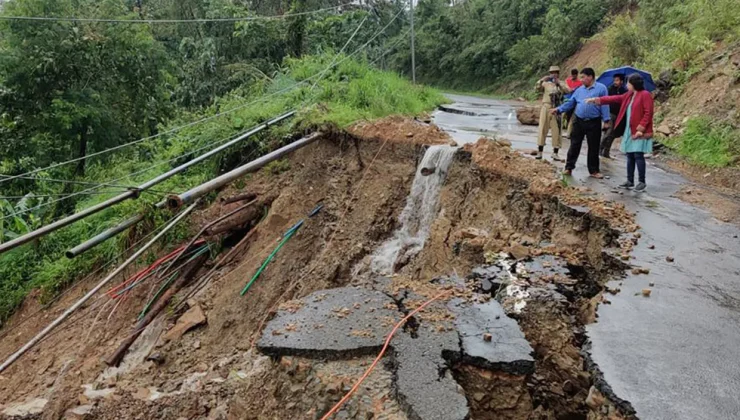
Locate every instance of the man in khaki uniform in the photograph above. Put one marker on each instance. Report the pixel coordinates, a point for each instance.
(553, 89)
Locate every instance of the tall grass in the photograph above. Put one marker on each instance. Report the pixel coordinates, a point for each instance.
(706, 143)
(350, 92)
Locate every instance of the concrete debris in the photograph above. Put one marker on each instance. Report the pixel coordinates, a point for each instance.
(189, 320)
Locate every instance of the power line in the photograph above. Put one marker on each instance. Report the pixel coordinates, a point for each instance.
(154, 21)
(191, 124)
(40, 206)
(320, 74)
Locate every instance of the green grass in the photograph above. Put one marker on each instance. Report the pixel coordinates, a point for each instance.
(705, 143)
(350, 92)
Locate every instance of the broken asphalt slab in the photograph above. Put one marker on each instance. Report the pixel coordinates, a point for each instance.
(351, 322)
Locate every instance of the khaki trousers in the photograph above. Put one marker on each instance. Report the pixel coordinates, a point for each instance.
(548, 122)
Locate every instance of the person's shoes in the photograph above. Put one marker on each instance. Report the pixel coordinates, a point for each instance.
(539, 156)
(597, 175)
(641, 187)
(568, 172)
(627, 185)
(556, 157)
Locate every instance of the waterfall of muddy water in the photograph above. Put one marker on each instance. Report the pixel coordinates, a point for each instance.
(420, 211)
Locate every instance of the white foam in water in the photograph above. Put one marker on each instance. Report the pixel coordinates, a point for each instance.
(419, 213)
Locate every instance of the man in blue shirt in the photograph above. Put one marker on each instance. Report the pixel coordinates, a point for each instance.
(587, 122)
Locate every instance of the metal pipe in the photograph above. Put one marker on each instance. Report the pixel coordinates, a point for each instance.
(108, 233)
(93, 291)
(176, 201)
(134, 193)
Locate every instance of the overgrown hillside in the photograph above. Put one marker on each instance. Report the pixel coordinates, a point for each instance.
(69, 88)
(503, 46)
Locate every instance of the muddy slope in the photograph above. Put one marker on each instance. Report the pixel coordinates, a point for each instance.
(488, 215)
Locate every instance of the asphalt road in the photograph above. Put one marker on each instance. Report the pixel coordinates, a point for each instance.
(676, 354)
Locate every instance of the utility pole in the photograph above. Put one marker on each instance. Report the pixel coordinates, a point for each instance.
(413, 47)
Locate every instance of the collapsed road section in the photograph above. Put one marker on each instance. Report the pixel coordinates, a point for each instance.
(507, 263)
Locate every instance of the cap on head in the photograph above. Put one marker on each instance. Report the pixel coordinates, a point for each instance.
(554, 69)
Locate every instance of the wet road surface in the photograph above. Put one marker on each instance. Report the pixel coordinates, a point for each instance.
(676, 354)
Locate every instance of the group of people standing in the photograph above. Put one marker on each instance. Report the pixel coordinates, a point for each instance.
(599, 115)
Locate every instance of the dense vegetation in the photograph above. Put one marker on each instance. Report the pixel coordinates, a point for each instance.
(479, 43)
(70, 89)
(676, 37)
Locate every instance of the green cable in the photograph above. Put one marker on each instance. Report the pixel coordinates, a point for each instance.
(167, 283)
(267, 261)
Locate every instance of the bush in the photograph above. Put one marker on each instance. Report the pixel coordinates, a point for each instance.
(625, 41)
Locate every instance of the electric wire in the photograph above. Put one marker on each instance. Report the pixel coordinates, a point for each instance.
(199, 121)
(155, 21)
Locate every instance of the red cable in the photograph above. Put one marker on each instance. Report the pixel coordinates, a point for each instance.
(146, 271)
(380, 355)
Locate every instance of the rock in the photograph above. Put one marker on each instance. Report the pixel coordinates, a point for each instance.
(519, 251)
(452, 143)
(79, 412)
(521, 99)
(156, 358)
(142, 394)
(646, 292)
(503, 142)
(471, 233)
(594, 399)
(428, 171)
(190, 319)
(487, 337)
(651, 284)
(669, 258)
(528, 115)
(93, 394)
(409, 135)
(651, 246)
(665, 130)
(25, 409)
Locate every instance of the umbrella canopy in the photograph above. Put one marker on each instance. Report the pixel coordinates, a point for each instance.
(607, 77)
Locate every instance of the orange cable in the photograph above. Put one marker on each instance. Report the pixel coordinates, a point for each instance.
(380, 355)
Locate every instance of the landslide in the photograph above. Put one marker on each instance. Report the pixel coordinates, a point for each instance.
(495, 201)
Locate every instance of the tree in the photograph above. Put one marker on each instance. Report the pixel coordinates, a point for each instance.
(70, 88)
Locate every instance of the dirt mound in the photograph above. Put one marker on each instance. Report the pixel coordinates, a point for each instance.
(401, 129)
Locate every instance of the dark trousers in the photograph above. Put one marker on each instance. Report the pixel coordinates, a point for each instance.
(611, 133)
(636, 159)
(591, 130)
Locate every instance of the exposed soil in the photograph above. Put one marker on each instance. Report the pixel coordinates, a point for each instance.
(495, 201)
(401, 130)
(593, 53)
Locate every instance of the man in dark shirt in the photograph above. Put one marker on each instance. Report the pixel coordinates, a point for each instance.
(612, 132)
